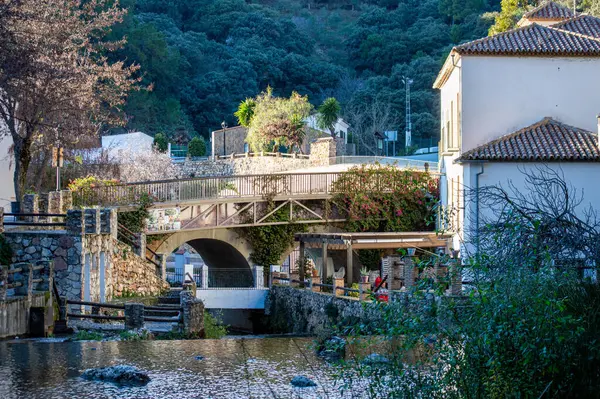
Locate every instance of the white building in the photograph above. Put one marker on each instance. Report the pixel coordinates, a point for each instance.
(7, 170)
(135, 142)
(518, 100)
(340, 127)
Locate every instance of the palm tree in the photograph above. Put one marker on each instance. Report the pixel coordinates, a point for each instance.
(329, 113)
(245, 112)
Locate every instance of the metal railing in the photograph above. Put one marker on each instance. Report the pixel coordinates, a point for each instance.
(405, 163)
(220, 187)
(35, 219)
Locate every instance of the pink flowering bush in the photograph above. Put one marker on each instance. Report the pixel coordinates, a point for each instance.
(385, 198)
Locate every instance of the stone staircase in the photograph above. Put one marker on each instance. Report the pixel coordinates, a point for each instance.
(168, 303)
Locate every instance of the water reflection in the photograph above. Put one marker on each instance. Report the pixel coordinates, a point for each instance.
(231, 368)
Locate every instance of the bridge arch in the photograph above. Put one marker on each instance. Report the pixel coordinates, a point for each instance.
(219, 248)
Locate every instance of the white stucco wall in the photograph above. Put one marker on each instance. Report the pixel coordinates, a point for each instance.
(133, 142)
(503, 94)
(7, 170)
(580, 175)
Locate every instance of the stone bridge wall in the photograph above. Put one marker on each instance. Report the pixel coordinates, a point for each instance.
(242, 166)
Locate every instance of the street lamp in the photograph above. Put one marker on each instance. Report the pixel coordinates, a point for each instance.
(224, 126)
(379, 139)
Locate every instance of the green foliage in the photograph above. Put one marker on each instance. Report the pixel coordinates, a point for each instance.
(508, 16)
(245, 112)
(135, 220)
(161, 143)
(269, 243)
(329, 113)
(6, 252)
(384, 198)
(197, 147)
(277, 121)
(83, 335)
(83, 187)
(139, 335)
(213, 327)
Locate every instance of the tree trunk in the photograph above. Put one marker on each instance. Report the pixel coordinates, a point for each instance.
(22, 152)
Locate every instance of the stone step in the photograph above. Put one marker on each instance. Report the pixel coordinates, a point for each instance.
(162, 313)
(167, 300)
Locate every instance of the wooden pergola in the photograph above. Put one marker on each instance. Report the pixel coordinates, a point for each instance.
(352, 241)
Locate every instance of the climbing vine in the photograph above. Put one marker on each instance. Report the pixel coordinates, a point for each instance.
(385, 198)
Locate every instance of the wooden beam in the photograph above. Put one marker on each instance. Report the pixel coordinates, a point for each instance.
(324, 256)
(349, 265)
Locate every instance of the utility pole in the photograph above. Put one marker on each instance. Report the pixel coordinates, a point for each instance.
(407, 82)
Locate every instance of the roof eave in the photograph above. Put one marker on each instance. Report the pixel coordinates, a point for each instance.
(446, 70)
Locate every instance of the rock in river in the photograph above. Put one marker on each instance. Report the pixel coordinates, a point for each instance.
(301, 381)
(122, 375)
(375, 358)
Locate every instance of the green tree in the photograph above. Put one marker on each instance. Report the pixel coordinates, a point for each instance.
(278, 121)
(329, 113)
(245, 112)
(508, 17)
(160, 142)
(197, 147)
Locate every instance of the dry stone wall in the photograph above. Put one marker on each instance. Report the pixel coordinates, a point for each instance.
(132, 274)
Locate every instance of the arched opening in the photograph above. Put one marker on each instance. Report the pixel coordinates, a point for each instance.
(227, 267)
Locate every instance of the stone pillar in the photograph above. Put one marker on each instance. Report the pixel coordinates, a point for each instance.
(322, 151)
(108, 222)
(66, 201)
(409, 268)
(192, 313)
(204, 273)
(397, 273)
(315, 280)
(139, 247)
(349, 265)
(302, 262)
(30, 205)
(75, 223)
(454, 270)
(259, 279)
(363, 289)
(92, 221)
(134, 316)
(25, 277)
(324, 262)
(43, 206)
(45, 274)
(3, 281)
(54, 202)
(338, 282)
(163, 266)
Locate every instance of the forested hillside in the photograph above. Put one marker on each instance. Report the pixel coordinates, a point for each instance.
(205, 56)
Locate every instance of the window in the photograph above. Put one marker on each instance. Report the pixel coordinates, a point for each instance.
(451, 133)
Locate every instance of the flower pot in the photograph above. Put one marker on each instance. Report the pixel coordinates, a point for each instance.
(315, 273)
(364, 279)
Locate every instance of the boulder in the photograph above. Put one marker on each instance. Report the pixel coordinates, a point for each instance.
(375, 358)
(332, 349)
(121, 374)
(301, 381)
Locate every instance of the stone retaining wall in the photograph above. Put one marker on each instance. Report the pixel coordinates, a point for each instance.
(132, 274)
(242, 166)
(82, 252)
(301, 311)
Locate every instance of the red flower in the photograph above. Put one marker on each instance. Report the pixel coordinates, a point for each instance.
(399, 212)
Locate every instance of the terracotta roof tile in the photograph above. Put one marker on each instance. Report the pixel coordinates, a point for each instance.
(533, 39)
(582, 24)
(545, 141)
(549, 10)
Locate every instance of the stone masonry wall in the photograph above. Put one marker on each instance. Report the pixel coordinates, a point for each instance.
(132, 274)
(301, 311)
(322, 150)
(242, 166)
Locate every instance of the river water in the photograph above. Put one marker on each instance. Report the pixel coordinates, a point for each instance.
(231, 368)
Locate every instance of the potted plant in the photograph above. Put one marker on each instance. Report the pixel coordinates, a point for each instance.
(364, 275)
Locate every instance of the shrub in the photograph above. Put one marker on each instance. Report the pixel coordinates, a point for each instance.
(214, 327)
(6, 252)
(161, 143)
(197, 147)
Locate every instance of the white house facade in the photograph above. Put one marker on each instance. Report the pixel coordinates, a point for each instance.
(519, 100)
